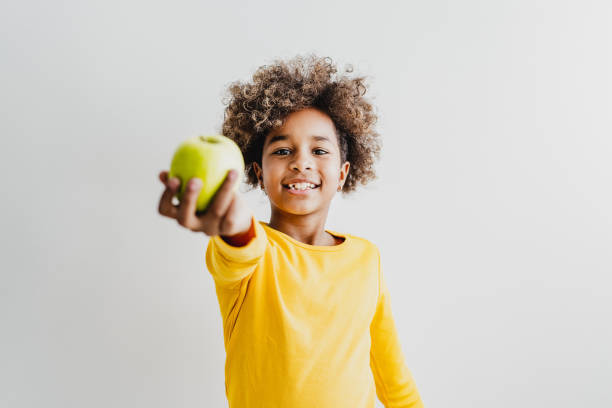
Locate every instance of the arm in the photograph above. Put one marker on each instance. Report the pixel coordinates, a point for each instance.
(237, 240)
(395, 386)
(231, 259)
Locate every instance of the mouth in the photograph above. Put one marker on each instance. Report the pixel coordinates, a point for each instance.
(300, 187)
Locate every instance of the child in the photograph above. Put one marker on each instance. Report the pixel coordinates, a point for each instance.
(306, 312)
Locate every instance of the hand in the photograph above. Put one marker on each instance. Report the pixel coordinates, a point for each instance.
(227, 214)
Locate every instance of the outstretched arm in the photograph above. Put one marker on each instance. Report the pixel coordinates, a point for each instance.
(237, 241)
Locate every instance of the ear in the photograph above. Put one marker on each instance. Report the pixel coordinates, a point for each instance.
(344, 170)
(258, 173)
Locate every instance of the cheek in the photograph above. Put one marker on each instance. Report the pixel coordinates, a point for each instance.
(332, 177)
(270, 172)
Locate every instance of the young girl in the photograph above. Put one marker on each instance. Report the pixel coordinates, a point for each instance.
(306, 312)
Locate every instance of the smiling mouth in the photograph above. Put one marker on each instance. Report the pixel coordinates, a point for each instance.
(301, 186)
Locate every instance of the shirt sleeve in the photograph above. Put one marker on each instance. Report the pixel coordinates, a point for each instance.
(228, 264)
(395, 386)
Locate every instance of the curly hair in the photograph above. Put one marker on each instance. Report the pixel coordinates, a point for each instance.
(255, 108)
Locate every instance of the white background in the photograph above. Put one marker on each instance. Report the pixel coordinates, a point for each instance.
(493, 207)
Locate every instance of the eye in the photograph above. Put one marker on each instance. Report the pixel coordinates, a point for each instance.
(279, 152)
(320, 152)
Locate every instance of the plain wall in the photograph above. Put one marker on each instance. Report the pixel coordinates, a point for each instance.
(492, 209)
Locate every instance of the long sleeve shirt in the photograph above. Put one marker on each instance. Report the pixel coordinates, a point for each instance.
(306, 325)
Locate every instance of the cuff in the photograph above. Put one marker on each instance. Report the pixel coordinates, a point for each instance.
(242, 254)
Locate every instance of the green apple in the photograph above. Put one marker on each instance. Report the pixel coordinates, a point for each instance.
(209, 158)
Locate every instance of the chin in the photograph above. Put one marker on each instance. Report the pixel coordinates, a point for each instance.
(298, 210)
(294, 208)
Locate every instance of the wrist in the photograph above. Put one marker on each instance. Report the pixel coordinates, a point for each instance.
(242, 238)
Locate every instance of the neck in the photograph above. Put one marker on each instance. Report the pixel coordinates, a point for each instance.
(308, 228)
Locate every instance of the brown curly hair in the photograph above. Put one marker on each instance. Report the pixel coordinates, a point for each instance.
(254, 108)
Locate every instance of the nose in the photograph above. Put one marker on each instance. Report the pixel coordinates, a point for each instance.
(301, 161)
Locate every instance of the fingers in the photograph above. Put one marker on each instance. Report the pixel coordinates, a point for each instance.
(173, 182)
(187, 209)
(185, 213)
(165, 207)
(222, 198)
(217, 209)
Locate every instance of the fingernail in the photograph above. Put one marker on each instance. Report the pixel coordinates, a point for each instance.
(172, 182)
(195, 184)
(231, 175)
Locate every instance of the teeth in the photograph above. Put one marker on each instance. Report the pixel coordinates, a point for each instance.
(301, 186)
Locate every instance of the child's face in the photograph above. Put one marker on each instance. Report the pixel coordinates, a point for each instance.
(305, 147)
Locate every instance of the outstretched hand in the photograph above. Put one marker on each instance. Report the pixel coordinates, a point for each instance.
(227, 214)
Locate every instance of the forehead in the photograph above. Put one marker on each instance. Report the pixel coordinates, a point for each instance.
(307, 123)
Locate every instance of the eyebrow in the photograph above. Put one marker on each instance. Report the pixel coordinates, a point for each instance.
(278, 138)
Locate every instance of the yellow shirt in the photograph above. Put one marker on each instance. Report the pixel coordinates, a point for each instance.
(307, 326)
